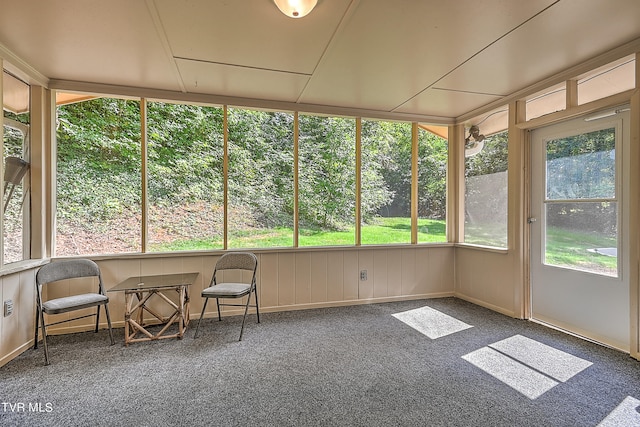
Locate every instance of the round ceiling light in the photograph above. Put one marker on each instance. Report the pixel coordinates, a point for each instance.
(295, 8)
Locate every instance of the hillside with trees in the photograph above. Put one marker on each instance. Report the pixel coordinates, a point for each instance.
(99, 173)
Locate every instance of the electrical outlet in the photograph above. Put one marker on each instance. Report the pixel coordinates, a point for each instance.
(363, 275)
(8, 307)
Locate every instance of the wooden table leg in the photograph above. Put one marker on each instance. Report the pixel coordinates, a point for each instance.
(181, 311)
(128, 298)
(186, 306)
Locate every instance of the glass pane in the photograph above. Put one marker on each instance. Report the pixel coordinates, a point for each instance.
(98, 177)
(386, 182)
(185, 178)
(326, 181)
(608, 80)
(551, 100)
(432, 187)
(582, 236)
(582, 166)
(16, 168)
(485, 219)
(260, 179)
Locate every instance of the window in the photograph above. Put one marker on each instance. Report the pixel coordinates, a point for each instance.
(581, 202)
(185, 177)
(549, 101)
(100, 182)
(610, 79)
(432, 187)
(15, 203)
(98, 177)
(386, 182)
(326, 181)
(260, 179)
(485, 215)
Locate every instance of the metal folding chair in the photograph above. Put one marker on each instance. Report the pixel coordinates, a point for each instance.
(61, 270)
(232, 261)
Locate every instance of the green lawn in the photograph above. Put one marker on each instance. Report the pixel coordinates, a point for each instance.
(570, 248)
(384, 231)
(564, 248)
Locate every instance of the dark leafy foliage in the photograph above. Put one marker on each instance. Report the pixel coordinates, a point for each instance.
(99, 164)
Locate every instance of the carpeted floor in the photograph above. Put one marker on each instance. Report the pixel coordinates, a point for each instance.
(344, 366)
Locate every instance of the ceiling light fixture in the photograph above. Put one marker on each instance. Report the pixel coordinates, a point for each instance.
(295, 8)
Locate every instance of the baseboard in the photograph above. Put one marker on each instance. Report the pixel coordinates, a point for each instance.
(484, 304)
(313, 305)
(15, 353)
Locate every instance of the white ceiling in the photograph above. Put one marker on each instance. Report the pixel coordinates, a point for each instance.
(430, 58)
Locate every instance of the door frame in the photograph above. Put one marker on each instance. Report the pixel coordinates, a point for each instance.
(578, 323)
(520, 146)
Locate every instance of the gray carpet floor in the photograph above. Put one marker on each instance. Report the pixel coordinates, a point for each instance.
(346, 366)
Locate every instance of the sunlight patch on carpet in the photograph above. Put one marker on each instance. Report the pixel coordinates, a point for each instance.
(526, 365)
(431, 322)
(627, 413)
(555, 363)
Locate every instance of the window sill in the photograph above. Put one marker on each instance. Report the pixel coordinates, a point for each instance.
(20, 266)
(215, 252)
(494, 249)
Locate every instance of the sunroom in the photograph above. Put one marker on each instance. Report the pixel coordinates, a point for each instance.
(371, 151)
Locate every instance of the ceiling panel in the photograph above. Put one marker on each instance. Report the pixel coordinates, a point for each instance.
(426, 58)
(567, 34)
(251, 33)
(446, 103)
(244, 82)
(112, 42)
(387, 52)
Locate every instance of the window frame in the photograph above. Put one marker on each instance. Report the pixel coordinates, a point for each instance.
(25, 203)
(296, 178)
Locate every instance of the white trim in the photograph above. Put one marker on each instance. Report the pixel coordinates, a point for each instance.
(199, 98)
(16, 66)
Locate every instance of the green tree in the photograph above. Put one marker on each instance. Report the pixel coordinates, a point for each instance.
(327, 171)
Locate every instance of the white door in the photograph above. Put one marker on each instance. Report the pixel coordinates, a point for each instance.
(579, 218)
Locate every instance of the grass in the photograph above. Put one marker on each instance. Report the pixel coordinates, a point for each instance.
(383, 231)
(570, 248)
(564, 248)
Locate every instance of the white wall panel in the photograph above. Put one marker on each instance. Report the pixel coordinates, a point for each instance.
(394, 272)
(351, 284)
(319, 277)
(268, 279)
(486, 278)
(408, 262)
(380, 274)
(335, 276)
(365, 262)
(303, 277)
(286, 276)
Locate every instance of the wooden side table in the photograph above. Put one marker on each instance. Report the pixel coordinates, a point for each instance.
(143, 288)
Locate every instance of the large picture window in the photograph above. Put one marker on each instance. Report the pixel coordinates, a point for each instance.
(432, 187)
(485, 219)
(208, 187)
(260, 179)
(98, 177)
(185, 177)
(15, 206)
(327, 180)
(386, 182)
